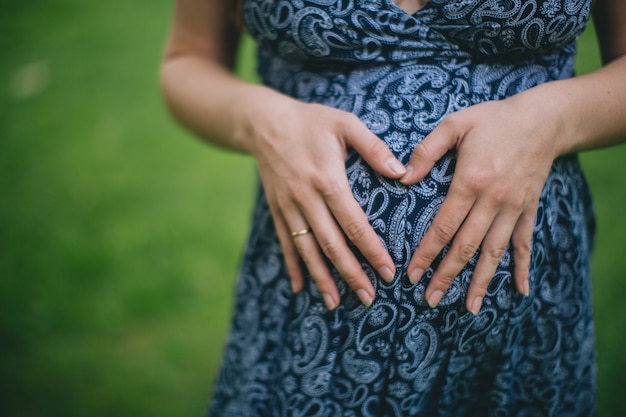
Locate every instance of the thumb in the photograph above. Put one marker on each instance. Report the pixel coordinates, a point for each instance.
(374, 151)
(431, 149)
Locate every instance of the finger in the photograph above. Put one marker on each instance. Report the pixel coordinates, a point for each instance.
(492, 249)
(434, 146)
(314, 261)
(522, 242)
(291, 256)
(303, 248)
(353, 221)
(373, 150)
(445, 225)
(464, 247)
(332, 243)
(311, 255)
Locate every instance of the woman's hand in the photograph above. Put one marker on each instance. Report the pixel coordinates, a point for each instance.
(504, 153)
(301, 152)
(502, 159)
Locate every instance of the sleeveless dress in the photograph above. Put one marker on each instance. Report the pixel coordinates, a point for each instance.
(401, 74)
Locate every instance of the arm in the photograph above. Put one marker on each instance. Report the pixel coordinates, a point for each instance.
(504, 153)
(300, 149)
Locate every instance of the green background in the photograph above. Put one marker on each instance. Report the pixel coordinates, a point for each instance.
(120, 234)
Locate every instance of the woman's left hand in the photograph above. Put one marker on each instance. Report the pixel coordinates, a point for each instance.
(504, 152)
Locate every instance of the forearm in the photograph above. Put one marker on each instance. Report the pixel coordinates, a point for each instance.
(209, 100)
(594, 106)
(585, 112)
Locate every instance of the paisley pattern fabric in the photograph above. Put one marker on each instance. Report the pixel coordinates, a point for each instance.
(401, 74)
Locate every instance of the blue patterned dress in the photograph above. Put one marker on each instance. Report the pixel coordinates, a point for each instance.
(401, 74)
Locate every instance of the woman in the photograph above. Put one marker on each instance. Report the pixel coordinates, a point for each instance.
(427, 251)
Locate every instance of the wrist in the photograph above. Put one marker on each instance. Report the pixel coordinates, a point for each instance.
(257, 114)
(549, 118)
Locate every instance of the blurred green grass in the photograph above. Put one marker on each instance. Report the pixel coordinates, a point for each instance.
(120, 234)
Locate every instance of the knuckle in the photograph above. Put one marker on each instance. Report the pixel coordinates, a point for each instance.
(346, 122)
(444, 231)
(282, 202)
(500, 196)
(480, 286)
(349, 118)
(355, 230)
(352, 278)
(478, 180)
(421, 151)
(297, 194)
(521, 244)
(325, 284)
(506, 194)
(319, 180)
(378, 149)
(495, 254)
(446, 279)
(516, 201)
(449, 121)
(466, 250)
(333, 250)
(328, 187)
(424, 259)
(377, 259)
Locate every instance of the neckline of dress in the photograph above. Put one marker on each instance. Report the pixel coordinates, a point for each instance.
(392, 5)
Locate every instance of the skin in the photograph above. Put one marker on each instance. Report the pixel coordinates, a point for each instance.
(504, 152)
(410, 6)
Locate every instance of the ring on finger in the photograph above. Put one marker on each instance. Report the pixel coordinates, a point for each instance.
(300, 233)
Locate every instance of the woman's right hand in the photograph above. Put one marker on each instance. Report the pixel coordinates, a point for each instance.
(301, 151)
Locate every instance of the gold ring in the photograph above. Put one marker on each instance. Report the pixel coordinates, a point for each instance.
(300, 233)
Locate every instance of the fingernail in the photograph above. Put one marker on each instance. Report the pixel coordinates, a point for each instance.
(477, 302)
(407, 174)
(396, 166)
(365, 297)
(526, 288)
(386, 273)
(415, 275)
(330, 302)
(434, 299)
